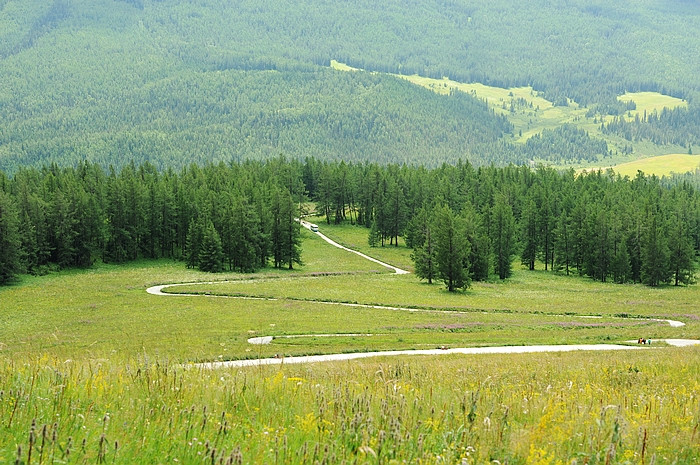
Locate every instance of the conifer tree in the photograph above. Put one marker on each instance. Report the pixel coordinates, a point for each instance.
(479, 253)
(374, 236)
(620, 266)
(424, 256)
(529, 233)
(562, 244)
(655, 255)
(9, 239)
(290, 231)
(503, 231)
(451, 249)
(210, 255)
(681, 254)
(194, 243)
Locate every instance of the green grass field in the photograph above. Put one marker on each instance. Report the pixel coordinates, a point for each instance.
(663, 165)
(649, 102)
(95, 370)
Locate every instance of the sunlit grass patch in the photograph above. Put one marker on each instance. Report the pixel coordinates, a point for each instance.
(663, 165)
(583, 407)
(649, 102)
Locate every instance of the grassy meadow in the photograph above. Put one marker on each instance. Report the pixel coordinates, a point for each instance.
(95, 370)
(650, 102)
(663, 165)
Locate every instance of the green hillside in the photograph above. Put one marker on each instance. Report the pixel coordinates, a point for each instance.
(173, 82)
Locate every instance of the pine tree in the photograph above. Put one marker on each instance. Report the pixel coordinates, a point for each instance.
(620, 266)
(9, 239)
(655, 256)
(529, 233)
(425, 256)
(451, 248)
(416, 228)
(681, 250)
(291, 236)
(503, 231)
(194, 243)
(562, 244)
(210, 254)
(374, 236)
(479, 253)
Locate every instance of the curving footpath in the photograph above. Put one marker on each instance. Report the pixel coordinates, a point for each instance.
(307, 225)
(461, 351)
(261, 340)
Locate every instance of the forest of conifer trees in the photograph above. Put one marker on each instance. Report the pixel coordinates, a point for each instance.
(463, 223)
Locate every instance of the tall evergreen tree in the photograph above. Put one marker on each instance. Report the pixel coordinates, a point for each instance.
(374, 237)
(681, 254)
(529, 233)
(9, 239)
(655, 256)
(424, 253)
(291, 236)
(503, 232)
(563, 244)
(193, 246)
(451, 249)
(620, 266)
(210, 255)
(479, 253)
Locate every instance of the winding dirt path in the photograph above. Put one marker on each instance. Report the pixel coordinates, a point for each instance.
(261, 340)
(307, 225)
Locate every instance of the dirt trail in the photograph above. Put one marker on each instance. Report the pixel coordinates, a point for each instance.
(461, 351)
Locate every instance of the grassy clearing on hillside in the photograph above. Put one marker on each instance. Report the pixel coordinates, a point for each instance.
(531, 113)
(663, 165)
(636, 407)
(649, 102)
(530, 119)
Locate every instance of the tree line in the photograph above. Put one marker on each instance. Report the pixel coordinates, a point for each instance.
(238, 217)
(678, 126)
(463, 223)
(469, 223)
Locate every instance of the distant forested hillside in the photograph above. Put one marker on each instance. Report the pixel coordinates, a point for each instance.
(174, 81)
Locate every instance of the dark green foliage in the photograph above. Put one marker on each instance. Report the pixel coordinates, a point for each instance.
(529, 234)
(565, 144)
(172, 81)
(451, 249)
(620, 266)
(9, 239)
(193, 245)
(503, 232)
(678, 126)
(603, 226)
(425, 257)
(210, 252)
(421, 239)
(681, 256)
(563, 244)
(655, 254)
(478, 260)
(374, 236)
